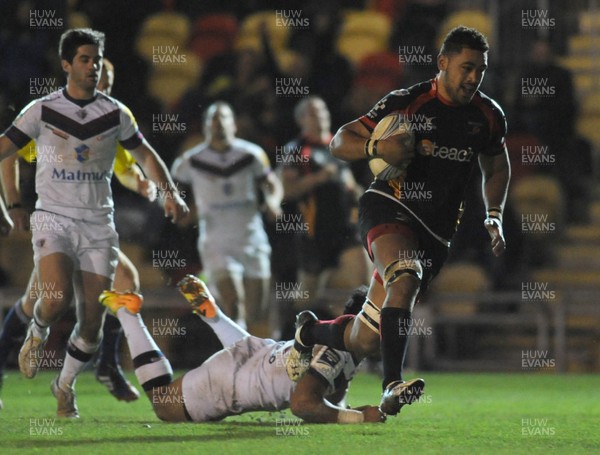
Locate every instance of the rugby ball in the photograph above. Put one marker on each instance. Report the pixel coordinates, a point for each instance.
(390, 125)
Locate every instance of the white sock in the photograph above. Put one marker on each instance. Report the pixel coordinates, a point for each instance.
(79, 353)
(225, 328)
(152, 369)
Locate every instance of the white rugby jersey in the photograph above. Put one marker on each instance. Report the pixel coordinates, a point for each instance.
(76, 145)
(265, 385)
(251, 375)
(225, 192)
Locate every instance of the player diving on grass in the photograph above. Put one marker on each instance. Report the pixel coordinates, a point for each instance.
(249, 374)
(452, 128)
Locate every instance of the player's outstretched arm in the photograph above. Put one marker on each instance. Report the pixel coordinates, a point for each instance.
(496, 176)
(308, 403)
(156, 170)
(349, 144)
(10, 185)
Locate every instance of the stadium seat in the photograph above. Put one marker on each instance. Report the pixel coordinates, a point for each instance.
(583, 44)
(212, 35)
(587, 126)
(541, 196)
(589, 22)
(77, 19)
(380, 70)
(363, 33)
(169, 82)
(161, 30)
(459, 278)
(249, 35)
(394, 9)
(591, 105)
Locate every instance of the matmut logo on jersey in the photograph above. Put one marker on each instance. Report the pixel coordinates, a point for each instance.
(428, 148)
(79, 175)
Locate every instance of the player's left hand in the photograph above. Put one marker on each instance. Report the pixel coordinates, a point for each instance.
(175, 207)
(494, 228)
(372, 414)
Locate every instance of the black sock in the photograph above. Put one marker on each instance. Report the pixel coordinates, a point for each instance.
(394, 328)
(13, 332)
(328, 333)
(111, 342)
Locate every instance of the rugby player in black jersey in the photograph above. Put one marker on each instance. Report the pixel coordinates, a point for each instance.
(407, 223)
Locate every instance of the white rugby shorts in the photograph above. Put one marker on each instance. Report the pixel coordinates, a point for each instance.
(209, 391)
(242, 261)
(92, 247)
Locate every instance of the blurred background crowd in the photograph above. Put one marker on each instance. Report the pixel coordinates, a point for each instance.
(173, 58)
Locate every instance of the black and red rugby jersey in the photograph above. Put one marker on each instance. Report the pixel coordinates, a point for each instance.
(433, 188)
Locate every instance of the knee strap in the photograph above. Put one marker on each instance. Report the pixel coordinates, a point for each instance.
(399, 267)
(369, 315)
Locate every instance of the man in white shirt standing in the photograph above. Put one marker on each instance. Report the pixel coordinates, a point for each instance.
(74, 239)
(232, 182)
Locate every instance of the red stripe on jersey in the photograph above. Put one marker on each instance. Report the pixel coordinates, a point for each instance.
(369, 124)
(422, 99)
(443, 100)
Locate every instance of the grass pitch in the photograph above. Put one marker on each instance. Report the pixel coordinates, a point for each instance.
(459, 414)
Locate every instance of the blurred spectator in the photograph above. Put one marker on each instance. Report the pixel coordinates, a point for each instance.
(320, 191)
(231, 182)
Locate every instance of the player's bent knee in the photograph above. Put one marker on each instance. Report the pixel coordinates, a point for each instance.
(400, 268)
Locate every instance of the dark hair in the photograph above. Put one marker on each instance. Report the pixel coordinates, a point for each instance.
(356, 300)
(460, 37)
(75, 37)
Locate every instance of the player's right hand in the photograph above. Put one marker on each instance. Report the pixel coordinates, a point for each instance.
(397, 150)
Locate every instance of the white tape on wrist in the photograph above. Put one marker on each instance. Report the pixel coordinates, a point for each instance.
(495, 213)
(350, 416)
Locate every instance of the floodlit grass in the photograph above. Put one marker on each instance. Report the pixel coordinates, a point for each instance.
(459, 414)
